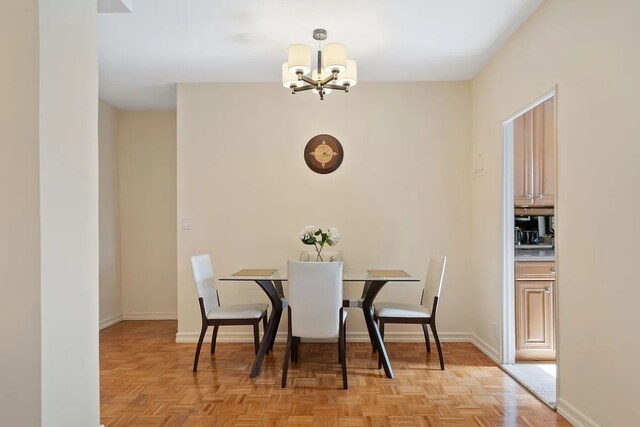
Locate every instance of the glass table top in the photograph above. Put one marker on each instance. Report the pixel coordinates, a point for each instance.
(347, 276)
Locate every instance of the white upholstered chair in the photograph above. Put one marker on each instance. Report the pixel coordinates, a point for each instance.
(216, 315)
(423, 313)
(315, 308)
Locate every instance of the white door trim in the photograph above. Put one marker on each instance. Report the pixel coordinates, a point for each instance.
(508, 342)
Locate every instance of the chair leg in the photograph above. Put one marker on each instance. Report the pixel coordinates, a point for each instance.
(425, 329)
(437, 340)
(287, 354)
(256, 336)
(344, 333)
(214, 337)
(202, 332)
(342, 351)
(382, 335)
(294, 349)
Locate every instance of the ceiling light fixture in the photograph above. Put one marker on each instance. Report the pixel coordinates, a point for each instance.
(333, 72)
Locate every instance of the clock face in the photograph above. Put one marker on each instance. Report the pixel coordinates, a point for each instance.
(323, 153)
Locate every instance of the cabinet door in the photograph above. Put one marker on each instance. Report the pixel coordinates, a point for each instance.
(534, 320)
(523, 160)
(544, 153)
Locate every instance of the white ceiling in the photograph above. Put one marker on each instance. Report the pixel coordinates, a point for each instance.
(144, 53)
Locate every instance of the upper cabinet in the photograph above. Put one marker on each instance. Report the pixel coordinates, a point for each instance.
(534, 149)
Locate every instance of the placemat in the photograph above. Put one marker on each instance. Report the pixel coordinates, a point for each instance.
(387, 273)
(255, 272)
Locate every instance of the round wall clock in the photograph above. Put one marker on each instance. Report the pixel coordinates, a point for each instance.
(323, 153)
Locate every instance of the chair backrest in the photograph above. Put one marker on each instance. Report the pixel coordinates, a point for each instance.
(205, 284)
(315, 298)
(433, 282)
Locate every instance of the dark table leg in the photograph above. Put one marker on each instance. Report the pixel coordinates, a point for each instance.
(273, 291)
(365, 291)
(273, 337)
(370, 294)
(265, 344)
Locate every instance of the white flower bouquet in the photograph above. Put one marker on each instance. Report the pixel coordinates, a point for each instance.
(312, 235)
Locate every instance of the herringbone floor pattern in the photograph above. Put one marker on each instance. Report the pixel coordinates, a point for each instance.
(146, 380)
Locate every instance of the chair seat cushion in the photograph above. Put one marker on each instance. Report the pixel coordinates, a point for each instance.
(238, 311)
(392, 309)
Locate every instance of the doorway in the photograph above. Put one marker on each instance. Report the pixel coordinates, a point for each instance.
(529, 313)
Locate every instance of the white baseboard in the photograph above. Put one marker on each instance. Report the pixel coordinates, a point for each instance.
(150, 316)
(105, 323)
(484, 347)
(573, 415)
(360, 336)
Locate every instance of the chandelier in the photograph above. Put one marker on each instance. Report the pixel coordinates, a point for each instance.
(333, 72)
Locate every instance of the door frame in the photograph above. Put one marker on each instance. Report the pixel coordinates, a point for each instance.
(508, 342)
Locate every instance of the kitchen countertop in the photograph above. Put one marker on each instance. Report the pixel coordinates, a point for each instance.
(535, 255)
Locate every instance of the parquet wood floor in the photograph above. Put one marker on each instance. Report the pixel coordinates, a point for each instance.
(146, 380)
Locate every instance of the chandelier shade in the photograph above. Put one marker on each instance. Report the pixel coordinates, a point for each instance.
(350, 75)
(299, 59)
(289, 80)
(333, 71)
(335, 57)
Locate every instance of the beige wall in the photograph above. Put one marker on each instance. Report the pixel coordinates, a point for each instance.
(590, 50)
(19, 215)
(109, 216)
(69, 212)
(147, 162)
(402, 192)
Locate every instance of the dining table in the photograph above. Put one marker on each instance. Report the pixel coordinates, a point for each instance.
(270, 281)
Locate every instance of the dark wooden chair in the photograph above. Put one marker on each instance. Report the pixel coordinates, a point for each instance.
(424, 313)
(216, 315)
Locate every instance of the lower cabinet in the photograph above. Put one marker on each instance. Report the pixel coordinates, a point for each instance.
(535, 311)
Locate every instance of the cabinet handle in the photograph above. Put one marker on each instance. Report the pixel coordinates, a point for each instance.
(547, 290)
(553, 269)
(529, 197)
(539, 196)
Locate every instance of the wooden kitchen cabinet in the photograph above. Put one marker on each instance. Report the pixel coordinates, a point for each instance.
(534, 147)
(535, 311)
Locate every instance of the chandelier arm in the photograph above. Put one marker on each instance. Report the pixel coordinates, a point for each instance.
(336, 87)
(307, 79)
(303, 88)
(332, 77)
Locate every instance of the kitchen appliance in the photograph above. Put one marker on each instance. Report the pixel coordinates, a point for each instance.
(530, 237)
(518, 236)
(542, 226)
